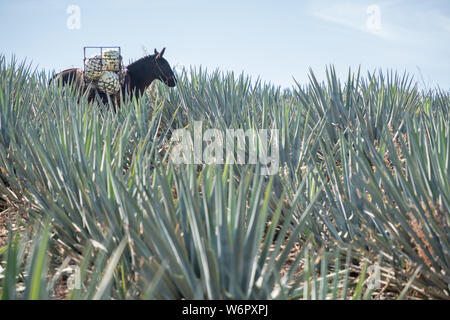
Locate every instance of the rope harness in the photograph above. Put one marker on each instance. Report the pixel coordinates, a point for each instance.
(160, 70)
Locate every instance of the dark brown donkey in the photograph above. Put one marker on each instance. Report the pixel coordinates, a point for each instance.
(138, 76)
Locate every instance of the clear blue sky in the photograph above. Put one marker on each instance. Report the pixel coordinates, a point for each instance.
(275, 40)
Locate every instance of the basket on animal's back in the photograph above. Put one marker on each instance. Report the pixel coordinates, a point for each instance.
(104, 71)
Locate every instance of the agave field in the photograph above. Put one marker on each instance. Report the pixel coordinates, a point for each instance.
(93, 208)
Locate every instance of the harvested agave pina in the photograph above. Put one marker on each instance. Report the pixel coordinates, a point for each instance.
(111, 60)
(93, 68)
(109, 82)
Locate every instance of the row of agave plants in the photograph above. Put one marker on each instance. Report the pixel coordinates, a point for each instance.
(358, 209)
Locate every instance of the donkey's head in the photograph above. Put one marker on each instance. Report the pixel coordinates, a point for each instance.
(163, 69)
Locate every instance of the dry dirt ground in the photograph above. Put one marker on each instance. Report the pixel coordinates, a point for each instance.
(8, 220)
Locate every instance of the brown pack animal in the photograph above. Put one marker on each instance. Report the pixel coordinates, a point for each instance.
(138, 76)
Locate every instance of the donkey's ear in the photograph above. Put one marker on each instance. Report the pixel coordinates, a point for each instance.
(159, 55)
(156, 51)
